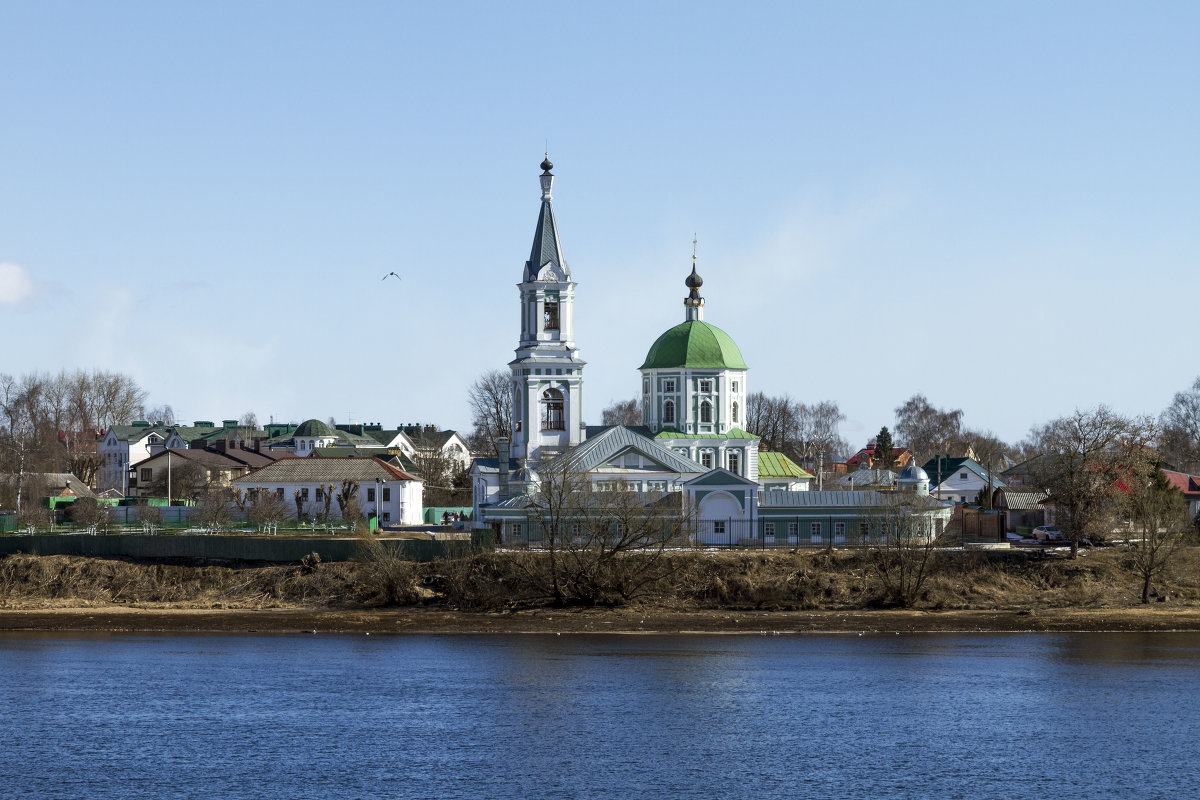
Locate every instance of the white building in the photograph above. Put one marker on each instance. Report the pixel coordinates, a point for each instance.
(381, 488)
(123, 446)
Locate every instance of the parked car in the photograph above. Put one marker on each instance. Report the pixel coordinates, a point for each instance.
(1047, 533)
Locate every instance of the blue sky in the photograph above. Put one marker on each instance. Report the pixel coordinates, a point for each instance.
(995, 206)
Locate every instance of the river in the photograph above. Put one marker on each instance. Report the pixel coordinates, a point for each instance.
(591, 716)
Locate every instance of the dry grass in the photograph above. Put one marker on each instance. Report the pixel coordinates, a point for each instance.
(799, 581)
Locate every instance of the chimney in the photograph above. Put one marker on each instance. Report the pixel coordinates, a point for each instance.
(502, 451)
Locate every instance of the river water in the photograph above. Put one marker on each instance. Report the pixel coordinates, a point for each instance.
(534, 716)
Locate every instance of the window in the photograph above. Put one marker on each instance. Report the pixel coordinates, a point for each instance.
(864, 531)
(320, 494)
(371, 495)
(516, 529)
(706, 386)
(387, 494)
(706, 411)
(839, 530)
(735, 463)
(279, 492)
(656, 486)
(146, 474)
(735, 410)
(733, 386)
(552, 410)
(550, 313)
(719, 526)
(793, 529)
(816, 531)
(645, 386)
(962, 476)
(304, 494)
(669, 411)
(669, 385)
(387, 516)
(706, 459)
(768, 528)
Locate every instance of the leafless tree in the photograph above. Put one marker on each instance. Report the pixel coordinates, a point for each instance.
(164, 414)
(491, 399)
(600, 546)
(214, 507)
(184, 481)
(1160, 520)
(249, 420)
(1091, 459)
(1180, 440)
(622, 412)
(266, 508)
(926, 430)
(904, 538)
(808, 434)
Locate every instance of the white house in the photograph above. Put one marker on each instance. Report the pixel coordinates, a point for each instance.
(380, 488)
(123, 446)
(958, 480)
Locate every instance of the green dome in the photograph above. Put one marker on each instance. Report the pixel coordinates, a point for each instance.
(695, 344)
(313, 427)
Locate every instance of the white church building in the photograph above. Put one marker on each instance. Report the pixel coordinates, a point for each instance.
(693, 400)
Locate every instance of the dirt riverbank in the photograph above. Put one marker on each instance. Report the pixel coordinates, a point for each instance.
(127, 619)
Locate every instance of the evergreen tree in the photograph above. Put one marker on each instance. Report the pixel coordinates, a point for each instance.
(884, 449)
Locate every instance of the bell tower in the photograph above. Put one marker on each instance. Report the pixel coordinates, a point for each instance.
(547, 374)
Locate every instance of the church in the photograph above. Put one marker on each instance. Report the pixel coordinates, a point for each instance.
(693, 401)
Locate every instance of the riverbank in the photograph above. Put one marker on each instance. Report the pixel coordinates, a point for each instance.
(127, 619)
(708, 592)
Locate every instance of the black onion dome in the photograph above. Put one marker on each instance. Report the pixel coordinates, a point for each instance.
(546, 165)
(694, 281)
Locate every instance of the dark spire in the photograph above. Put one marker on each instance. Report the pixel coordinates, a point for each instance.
(546, 248)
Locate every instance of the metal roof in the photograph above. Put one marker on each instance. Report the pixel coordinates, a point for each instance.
(599, 450)
(777, 465)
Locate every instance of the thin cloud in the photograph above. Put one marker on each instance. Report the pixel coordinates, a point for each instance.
(16, 285)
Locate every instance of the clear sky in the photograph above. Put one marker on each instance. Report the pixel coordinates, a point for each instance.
(993, 204)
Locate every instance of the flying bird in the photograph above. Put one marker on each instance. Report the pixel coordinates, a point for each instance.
(392, 275)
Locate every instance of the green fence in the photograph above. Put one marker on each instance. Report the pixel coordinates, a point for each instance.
(279, 549)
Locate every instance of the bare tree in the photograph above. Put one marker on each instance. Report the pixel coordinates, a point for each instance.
(19, 402)
(1090, 460)
(266, 508)
(622, 412)
(904, 537)
(214, 507)
(1160, 518)
(185, 480)
(808, 434)
(926, 430)
(249, 420)
(491, 400)
(600, 547)
(164, 414)
(1180, 422)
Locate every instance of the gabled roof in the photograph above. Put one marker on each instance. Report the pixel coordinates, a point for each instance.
(334, 470)
(900, 456)
(190, 433)
(55, 483)
(1188, 484)
(950, 466)
(135, 433)
(720, 477)
(1020, 498)
(209, 459)
(598, 451)
(772, 465)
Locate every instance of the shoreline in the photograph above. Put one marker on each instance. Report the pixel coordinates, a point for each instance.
(409, 621)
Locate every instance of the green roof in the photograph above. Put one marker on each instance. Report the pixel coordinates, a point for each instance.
(732, 433)
(694, 344)
(313, 427)
(777, 465)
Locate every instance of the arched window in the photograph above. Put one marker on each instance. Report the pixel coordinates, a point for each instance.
(669, 411)
(552, 410)
(734, 411)
(706, 411)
